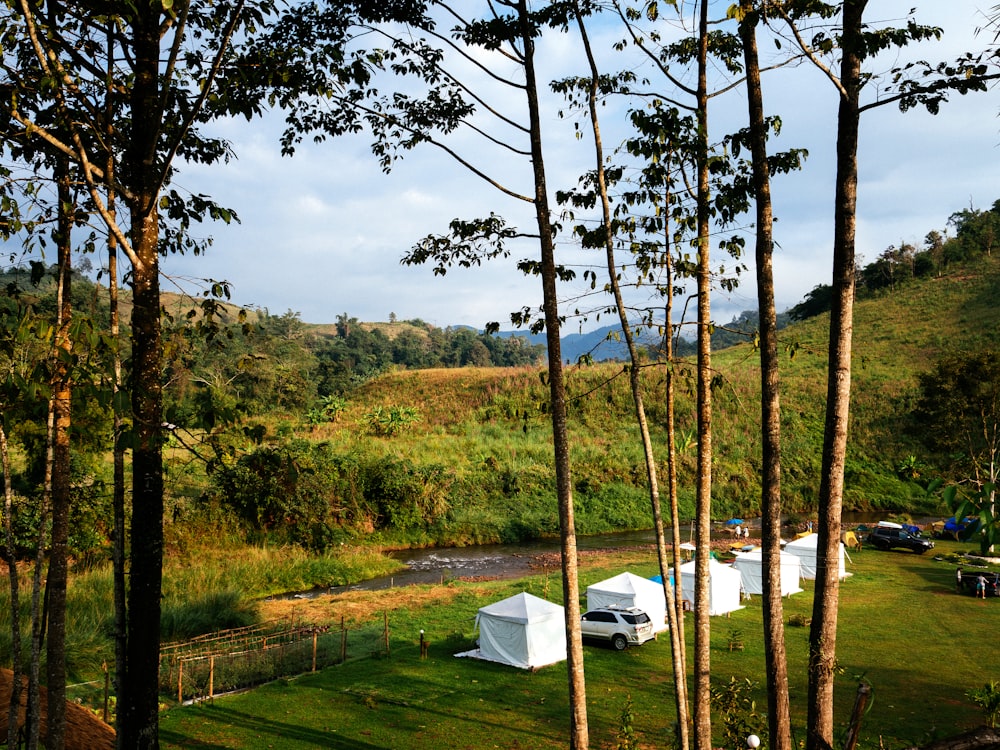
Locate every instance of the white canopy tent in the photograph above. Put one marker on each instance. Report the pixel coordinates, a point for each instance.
(629, 590)
(522, 631)
(751, 568)
(725, 585)
(805, 549)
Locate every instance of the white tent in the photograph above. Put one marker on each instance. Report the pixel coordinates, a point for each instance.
(805, 549)
(723, 589)
(629, 590)
(523, 631)
(751, 568)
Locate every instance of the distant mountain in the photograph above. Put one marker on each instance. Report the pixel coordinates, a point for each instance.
(606, 343)
(603, 344)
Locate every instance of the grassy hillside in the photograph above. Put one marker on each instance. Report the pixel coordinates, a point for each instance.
(488, 427)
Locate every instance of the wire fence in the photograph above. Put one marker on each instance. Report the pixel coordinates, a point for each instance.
(244, 657)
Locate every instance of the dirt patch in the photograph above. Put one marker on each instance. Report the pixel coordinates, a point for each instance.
(356, 606)
(84, 731)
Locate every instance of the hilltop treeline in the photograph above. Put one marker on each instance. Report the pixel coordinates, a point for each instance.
(977, 233)
(221, 361)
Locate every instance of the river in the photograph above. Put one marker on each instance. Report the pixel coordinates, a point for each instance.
(437, 565)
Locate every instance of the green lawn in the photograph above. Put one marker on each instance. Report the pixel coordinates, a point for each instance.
(902, 628)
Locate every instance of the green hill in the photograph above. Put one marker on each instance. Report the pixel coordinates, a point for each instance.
(464, 455)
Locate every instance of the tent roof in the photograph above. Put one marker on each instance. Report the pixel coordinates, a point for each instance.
(808, 541)
(714, 566)
(626, 583)
(804, 542)
(523, 608)
(757, 556)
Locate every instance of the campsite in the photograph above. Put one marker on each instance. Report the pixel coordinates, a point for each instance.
(919, 677)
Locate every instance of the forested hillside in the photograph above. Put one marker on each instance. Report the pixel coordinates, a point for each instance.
(457, 456)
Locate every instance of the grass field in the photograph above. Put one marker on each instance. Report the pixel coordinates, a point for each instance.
(901, 628)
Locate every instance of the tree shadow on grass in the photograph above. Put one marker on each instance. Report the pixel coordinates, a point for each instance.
(267, 733)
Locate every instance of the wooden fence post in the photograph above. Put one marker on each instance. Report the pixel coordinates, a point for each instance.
(211, 676)
(343, 641)
(315, 638)
(853, 729)
(107, 690)
(180, 680)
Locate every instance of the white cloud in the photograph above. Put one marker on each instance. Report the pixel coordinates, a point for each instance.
(323, 233)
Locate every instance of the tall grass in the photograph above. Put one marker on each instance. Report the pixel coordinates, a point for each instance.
(202, 592)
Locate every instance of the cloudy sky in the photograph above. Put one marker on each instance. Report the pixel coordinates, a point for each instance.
(322, 233)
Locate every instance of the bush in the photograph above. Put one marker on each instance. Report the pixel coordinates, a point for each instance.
(306, 494)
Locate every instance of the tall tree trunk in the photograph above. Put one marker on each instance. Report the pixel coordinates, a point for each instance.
(16, 688)
(823, 632)
(775, 662)
(138, 715)
(55, 661)
(634, 373)
(118, 544)
(703, 534)
(579, 732)
(675, 515)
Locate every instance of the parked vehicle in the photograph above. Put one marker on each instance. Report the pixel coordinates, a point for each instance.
(888, 536)
(970, 579)
(621, 627)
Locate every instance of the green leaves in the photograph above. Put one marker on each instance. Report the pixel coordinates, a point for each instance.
(468, 244)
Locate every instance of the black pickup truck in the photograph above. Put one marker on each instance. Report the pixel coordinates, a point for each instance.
(891, 537)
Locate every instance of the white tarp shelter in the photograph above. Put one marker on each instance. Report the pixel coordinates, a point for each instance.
(751, 568)
(523, 631)
(724, 586)
(805, 549)
(629, 590)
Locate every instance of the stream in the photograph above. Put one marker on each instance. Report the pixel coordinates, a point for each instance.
(440, 564)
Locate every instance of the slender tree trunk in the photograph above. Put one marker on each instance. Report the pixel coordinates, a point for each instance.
(55, 661)
(675, 515)
(579, 732)
(823, 632)
(776, 666)
(703, 533)
(118, 544)
(16, 688)
(138, 715)
(634, 373)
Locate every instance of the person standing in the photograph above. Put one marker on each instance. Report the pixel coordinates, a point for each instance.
(981, 586)
(958, 580)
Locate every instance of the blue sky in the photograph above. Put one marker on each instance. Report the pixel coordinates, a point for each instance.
(322, 233)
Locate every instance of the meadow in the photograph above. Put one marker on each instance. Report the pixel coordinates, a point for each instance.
(902, 629)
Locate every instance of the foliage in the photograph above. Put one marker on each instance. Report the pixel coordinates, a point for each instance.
(737, 708)
(626, 738)
(307, 494)
(988, 698)
(959, 415)
(959, 412)
(980, 504)
(386, 421)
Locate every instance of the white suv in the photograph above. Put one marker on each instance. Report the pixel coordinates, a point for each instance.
(620, 626)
